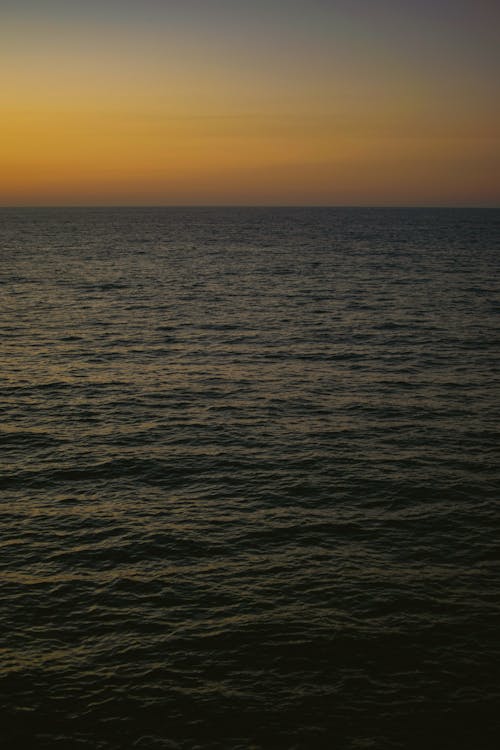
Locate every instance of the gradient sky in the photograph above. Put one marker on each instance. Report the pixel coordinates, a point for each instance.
(359, 102)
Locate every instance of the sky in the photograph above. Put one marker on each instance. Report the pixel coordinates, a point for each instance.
(222, 102)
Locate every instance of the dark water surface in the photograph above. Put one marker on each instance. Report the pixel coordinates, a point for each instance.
(249, 479)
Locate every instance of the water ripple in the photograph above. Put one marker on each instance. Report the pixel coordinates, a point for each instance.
(249, 479)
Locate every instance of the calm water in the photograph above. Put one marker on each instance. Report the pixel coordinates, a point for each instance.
(249, 479)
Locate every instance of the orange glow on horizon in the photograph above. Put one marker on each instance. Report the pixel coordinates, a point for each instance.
(121, 118)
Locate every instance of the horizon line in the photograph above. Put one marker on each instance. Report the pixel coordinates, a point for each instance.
(247, 205)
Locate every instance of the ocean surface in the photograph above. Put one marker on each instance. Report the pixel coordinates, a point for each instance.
(249, 479)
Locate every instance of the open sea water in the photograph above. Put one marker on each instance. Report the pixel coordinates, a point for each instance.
(249, 479)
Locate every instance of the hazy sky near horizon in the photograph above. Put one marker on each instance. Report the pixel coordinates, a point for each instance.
(370, 102)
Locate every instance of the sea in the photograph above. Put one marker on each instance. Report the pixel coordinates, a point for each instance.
(249, 479)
